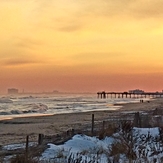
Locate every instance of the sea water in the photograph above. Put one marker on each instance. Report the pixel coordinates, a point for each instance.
(48, 104)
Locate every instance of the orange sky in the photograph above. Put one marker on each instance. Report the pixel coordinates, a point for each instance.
(81, 46)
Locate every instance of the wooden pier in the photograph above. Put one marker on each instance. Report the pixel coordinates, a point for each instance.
(104, 94)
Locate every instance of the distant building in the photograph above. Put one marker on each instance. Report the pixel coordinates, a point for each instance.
(55, 91)
(136, 91)
(12, 91)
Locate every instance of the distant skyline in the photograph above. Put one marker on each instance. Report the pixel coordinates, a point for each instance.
(81, 46)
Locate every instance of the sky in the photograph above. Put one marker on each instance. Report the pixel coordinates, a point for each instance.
(81, 46)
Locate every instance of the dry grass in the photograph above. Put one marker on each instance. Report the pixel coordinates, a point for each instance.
(23, 159)
(107, 132)
(118, 148)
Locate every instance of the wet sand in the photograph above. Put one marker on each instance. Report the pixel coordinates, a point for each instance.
(15, 130)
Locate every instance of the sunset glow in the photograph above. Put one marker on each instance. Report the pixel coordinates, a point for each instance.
(81, 46)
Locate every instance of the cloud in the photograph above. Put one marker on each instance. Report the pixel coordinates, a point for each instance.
(97, 55)
(72, 16)
(127, 8)
(146, 9)
(66, 23)
(18, 62)
(77, 15)
(70, 28)
(26, 42)
(94, 58)
(20, 51)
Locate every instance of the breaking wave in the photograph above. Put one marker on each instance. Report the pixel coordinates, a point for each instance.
(25, 109)
(5, 100)
(56, 104)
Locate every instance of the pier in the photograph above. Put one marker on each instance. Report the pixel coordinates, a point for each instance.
(104, 94)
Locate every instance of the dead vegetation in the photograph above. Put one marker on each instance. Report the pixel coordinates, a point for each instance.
(123, 145)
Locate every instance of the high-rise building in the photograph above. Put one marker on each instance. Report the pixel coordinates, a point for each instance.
(12, 91)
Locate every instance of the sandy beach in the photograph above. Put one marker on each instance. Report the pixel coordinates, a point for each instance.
(15, 130)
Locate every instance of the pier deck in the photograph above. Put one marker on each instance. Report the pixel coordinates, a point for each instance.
(104, 94)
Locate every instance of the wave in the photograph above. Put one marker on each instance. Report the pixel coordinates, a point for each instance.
(5, 113)
(18, 105)
(5, 100)
(25, 109)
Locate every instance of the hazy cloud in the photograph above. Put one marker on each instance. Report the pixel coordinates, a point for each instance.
(97, 57)
(128, 8)
(75, 19)
(18, 62)
(146, 9)
(133, 8)
(26, 42)
(71, 28)
(19, 51)
(70, 16)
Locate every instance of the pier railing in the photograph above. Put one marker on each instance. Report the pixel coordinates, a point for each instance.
(104, 94)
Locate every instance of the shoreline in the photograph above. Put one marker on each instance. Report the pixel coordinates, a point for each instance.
(113, 107)
(15, 130)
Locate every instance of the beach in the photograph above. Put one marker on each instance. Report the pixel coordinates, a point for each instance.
(15, 130)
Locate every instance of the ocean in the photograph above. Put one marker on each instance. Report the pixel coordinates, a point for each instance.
(48, 104)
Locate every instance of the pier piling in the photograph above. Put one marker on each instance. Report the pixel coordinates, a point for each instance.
(104, 94)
